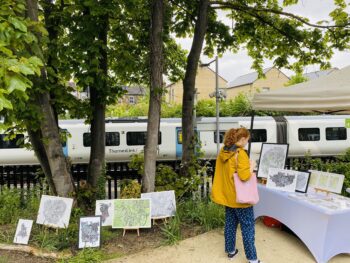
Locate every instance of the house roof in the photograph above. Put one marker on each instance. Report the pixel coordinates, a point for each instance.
(246, 79)
(317, 74)
(135, 90)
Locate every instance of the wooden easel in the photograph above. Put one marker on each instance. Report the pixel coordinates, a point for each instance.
(322, 191)
(263, 180)
(137, 229)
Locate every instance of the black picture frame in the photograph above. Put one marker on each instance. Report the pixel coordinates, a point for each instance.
(307, 184)
(100, 230)
(263, 173)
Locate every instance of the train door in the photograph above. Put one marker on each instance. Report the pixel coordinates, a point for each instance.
(178, 142)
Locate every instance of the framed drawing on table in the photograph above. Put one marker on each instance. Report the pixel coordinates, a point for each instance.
(303, 179)
(272, 155)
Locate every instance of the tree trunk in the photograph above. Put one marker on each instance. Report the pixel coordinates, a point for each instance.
(48, 145)
(97, 103)
(189, 86)
(156, 68)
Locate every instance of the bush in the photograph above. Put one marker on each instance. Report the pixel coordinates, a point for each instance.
(130, 189)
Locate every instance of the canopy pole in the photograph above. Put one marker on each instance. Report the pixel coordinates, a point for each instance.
(251, 130)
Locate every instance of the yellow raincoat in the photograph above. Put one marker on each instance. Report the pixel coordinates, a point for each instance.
(223, 191)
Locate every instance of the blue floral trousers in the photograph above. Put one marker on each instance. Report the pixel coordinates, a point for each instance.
(245, 217)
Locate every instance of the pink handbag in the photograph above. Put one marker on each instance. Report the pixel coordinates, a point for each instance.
(246, 191)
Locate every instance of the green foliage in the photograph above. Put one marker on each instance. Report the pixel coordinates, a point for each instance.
(340, 165)
(205, 213)
(87, 255)
(130, 189)
(172, 230)
(297, 78)
(137, 163)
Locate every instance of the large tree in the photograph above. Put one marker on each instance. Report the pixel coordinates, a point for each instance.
(264, 29)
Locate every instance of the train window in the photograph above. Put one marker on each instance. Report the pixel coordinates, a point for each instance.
(309, 134)
(336, 133)
(112, 139)
(221, 137)
(139, 138)
(259, 135)
(13, 143)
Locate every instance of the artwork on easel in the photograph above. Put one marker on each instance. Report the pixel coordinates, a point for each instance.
(90, 231)
(163, 204)
(280, 179)
(54, 211)
(272, 155)
(329, 182)
(303, 179)
(104, 208)
(132, 213)
(24, 227)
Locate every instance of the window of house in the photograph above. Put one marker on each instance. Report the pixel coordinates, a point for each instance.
(139, 138)
(12, 143)
(336, 133)
(112, 139)
(309, 134)
(131, 100)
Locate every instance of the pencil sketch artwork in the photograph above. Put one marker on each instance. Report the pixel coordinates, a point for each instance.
(24, 227)
(104, 208)
(302, 181)
(54, 211)
(272, 156)
(132, 213)
(90, 232)
(285, 180)
(163, 204)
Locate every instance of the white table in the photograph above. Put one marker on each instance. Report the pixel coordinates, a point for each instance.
(326, 233)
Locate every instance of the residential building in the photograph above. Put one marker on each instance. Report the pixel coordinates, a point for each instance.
(205, 86)
(133, 94)
(251, 83)
(321, 73)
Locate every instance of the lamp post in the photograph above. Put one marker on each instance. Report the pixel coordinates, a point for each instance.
(217, 100)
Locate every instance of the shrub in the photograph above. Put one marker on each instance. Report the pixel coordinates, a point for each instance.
(130, 189)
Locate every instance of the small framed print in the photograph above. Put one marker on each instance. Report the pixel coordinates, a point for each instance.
(303, 179)
(90, 231)
(281, 179)
(24, 227)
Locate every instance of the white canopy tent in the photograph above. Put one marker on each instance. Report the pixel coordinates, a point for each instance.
(328, 94)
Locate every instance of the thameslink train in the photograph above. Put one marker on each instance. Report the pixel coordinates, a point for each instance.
(321, 136)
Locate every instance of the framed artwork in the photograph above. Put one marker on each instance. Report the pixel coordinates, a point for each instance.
(272, 155)
(303, 179)
(24, 227)
(90, 231)
(104, 208)
(280, 179)
(163, 204)
(132, 213)
(326, 181)
(54, 211)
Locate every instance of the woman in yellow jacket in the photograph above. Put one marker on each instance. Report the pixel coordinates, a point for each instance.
(224, 192)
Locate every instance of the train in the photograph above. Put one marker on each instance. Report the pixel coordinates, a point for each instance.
(320, 136)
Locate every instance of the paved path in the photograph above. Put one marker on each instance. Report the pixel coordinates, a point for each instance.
(273, 246)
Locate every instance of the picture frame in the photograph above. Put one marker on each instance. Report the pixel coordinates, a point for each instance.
(272, 155)
(105, 209)
(132, 213)
(54, 211)
(163, 204)
(282, 179)
(90, 232)
(23, 230)
(303, 180)
(330, 182)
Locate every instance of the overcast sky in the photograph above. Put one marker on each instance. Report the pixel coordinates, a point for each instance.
(233, 65)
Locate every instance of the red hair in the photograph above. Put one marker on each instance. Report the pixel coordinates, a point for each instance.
(234, 135)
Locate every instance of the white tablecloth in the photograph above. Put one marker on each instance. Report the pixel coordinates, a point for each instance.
(326, 233)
